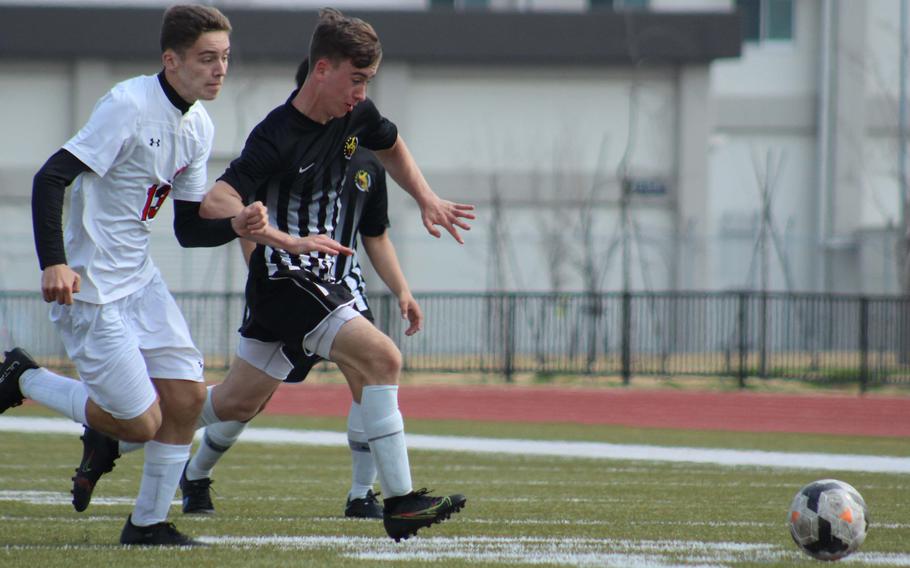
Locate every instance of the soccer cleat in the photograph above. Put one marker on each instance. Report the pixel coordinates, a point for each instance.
(197, 497)
(15, 362)
(159, 534)
(404, 516)
(364, 507)
(98, 455)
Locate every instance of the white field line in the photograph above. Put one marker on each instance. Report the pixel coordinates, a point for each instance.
(594, 450)
(567, 552)
(582, 552)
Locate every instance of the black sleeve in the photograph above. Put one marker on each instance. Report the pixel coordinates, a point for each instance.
(48, 188)
(194, 231)
(375, 217)
(376, 132)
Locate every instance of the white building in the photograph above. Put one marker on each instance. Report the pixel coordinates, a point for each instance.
(540, 112)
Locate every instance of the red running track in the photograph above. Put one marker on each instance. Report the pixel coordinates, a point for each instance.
(739, 411)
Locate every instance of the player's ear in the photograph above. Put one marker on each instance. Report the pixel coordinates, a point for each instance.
(169, 59)
(323, 66)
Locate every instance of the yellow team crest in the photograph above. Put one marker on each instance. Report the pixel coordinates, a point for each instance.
(363, 181)
(350, 146)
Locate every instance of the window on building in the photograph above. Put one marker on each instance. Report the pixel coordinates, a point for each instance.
(459, 4)
(618, 4)
(766, 19)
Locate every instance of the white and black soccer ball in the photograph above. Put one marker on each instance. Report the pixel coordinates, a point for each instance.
(828, 519)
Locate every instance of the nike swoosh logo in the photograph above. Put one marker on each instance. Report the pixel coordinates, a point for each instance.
(306, 168)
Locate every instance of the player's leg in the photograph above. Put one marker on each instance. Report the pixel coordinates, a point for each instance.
(255, 373)
(176, 365)
(361, 500)
(371, 362)
(114, 396)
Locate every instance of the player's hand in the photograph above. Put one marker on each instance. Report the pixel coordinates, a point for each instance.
(252, 220)
(318, 243)
(58, 284)
(446, 214)
(410, 310)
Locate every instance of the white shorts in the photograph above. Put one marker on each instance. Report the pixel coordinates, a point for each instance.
(269, 357)
(117, 347)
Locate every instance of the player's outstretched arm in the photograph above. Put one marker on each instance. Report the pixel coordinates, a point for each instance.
(400, 164)
(382, 256)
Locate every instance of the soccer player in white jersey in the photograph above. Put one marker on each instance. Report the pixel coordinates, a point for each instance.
(140, 373)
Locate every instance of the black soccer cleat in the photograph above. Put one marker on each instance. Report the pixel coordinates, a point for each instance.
(364, 507)
(197, 496)
(98, 455)
(159, 534)
(16, 361)
(404, 516)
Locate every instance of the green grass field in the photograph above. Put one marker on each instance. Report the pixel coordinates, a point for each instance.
(280, 505)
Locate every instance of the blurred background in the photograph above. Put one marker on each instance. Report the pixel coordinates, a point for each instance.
(631, 147)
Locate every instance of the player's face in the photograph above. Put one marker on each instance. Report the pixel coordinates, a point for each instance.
(345, 86)
(198, 73)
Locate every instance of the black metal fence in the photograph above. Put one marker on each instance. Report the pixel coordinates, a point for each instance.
(820, 338)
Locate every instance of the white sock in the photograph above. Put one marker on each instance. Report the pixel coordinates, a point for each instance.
(66, 396)
(363, 468)
(384, 428)
(217, 439)
(160, 477)
(207, 416)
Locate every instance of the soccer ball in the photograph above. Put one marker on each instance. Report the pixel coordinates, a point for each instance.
(828, 519)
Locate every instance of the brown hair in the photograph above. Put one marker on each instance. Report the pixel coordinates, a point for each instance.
(184, 23)
(338, 37)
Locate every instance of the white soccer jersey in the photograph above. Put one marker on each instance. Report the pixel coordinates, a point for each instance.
(141, 149)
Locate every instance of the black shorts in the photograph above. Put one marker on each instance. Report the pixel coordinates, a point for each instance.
(288, 305)
(304, 363)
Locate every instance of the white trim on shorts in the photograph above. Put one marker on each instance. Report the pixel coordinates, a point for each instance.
(267, 356)
(319, 341)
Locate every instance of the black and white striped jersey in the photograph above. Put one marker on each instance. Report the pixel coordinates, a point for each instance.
(364, 211)
(297, 168)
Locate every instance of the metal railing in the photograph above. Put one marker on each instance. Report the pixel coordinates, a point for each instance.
(813, 337)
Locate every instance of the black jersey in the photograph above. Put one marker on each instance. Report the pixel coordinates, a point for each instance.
(297, 167)
(364, 211)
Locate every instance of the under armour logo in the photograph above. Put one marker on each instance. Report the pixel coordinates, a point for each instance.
(155, 142)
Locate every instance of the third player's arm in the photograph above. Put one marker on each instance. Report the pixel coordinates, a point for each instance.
(382, 256)
(400, 164)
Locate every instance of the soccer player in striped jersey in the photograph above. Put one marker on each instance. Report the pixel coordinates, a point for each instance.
(364, 212)
(295, 161)
(140, 373)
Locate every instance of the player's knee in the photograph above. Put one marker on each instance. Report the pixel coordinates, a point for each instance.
(239, 409)
(141, 429)
(185, 402)
(385, 366)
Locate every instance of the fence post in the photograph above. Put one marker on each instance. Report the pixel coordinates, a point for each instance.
(743, 335)
(626, 338)
(863, 343)
(507, 323)
(763, 338)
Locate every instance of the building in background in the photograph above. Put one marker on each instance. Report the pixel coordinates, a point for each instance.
(648, 145)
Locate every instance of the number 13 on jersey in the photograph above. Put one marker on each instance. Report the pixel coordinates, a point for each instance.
(154, 200)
